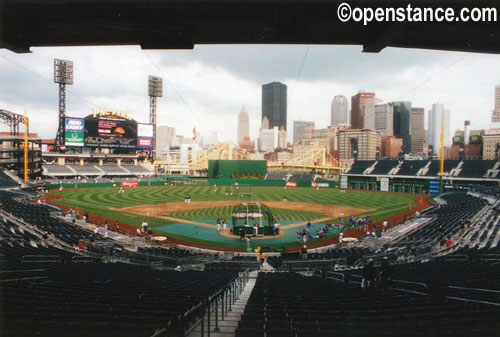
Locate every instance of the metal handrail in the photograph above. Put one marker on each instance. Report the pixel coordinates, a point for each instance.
(475, 289)
(469, 300)
(341, 279)
(410, 282)
(26, 279)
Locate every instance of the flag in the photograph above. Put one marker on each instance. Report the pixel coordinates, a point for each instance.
(194, 133)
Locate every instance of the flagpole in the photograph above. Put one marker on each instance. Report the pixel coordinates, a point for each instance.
(442, 155)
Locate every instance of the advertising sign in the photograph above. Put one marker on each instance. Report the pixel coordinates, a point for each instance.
(130, 183)
(144, 136)
(343, 182)
(291, 184)
(384, 184)
(313, 184)
(111, 131)
(323, 184)
(145, 143)
(74, 125)
(144, 130)
(74, 132)
(434, 186)
(73, 138)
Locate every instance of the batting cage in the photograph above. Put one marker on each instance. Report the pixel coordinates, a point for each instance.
(248, 214)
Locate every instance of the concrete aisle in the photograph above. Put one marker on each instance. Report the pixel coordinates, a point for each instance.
(228, 326)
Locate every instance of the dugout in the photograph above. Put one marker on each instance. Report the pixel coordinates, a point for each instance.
(237, 169)
(247, 214)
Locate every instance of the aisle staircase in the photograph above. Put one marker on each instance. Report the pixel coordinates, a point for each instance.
(226, 327)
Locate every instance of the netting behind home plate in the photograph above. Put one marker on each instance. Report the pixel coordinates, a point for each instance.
(248, 213)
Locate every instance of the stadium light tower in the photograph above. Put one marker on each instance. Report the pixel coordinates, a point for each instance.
(63, 74)
(155, 90)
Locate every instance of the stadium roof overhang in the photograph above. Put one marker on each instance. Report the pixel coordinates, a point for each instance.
(181, 24)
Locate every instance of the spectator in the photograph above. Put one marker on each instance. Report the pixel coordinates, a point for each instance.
(262, 258)
(303, 252)
(369, 275)
(385, 274)
(80, 245)
(92, 240)
(45, 239)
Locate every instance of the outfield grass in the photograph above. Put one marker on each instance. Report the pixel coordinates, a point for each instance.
(225, 213)
(106, 202)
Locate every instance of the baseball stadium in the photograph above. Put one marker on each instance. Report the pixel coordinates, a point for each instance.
(116, 226)
(165, 208)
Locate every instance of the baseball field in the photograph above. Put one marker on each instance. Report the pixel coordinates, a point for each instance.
(167, 213)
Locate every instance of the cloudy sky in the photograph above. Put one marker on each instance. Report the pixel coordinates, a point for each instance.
(206, 87)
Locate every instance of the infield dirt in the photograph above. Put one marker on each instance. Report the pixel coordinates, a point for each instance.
(163, 210)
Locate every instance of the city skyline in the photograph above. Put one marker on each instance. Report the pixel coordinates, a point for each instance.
(206, 87)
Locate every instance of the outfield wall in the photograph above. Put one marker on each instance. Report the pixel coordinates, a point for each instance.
(205, 182)
(236, 168)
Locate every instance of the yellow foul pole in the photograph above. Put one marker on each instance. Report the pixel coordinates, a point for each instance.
(26, 130)
(442, 155)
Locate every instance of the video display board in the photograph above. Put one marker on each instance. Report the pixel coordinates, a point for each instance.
(110, 130)
(74, 132)
(144, 136)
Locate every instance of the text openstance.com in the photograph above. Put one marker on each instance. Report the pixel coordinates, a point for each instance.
(414, 14)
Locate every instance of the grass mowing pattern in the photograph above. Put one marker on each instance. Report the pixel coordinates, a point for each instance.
(105, 201)
(225, 213)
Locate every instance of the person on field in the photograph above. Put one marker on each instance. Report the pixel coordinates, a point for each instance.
(242, 233)
(144, 226)
(224, 225)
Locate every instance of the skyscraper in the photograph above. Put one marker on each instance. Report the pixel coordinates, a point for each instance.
(435, 118)
(265, 123)
(299, 130)
(402, 123)
(243, 126)
(384, 119)
(496, 112)
(340, 114)
(360, 103)
(417, 130)
(274, 104)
